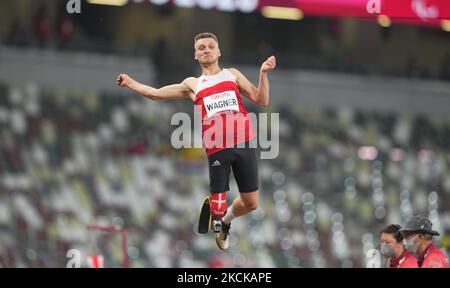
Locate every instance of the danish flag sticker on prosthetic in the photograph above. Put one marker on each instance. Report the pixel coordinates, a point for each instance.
(219, 204)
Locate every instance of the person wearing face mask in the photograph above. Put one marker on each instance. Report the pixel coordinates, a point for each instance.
(418, 235)
(391, 247)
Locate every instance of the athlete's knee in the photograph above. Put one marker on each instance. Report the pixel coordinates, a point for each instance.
(252, 206)
(250, 200)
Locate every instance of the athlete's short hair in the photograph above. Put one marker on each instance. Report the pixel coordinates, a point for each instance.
(205, 35)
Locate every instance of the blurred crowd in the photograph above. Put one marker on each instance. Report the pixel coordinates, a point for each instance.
(73, 158)
(47, 25)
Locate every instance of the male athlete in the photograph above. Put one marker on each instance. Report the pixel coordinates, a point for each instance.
(225, 124)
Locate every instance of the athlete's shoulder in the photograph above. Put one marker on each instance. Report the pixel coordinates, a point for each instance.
(190, 82)
(234, 71)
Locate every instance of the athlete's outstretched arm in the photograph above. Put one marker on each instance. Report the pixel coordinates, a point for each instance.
(258, 95)
(170, 92)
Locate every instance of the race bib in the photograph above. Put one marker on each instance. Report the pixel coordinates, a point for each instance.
(221, 102)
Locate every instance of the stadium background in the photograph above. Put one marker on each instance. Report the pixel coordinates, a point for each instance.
(364, 132)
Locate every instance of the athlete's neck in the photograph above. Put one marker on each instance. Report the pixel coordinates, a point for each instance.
(211, 69)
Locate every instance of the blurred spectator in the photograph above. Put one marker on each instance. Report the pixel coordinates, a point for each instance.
(16, 35)
(159, 60)
(418, 235)
(42, 26)
(334, 29)
(391, 247)
(413, 69)
(65, 31)
(68, 159)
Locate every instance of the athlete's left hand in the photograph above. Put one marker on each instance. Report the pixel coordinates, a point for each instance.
(269, 64)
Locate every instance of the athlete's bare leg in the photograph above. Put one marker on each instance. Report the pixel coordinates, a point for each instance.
(242, 205)
(245, 203)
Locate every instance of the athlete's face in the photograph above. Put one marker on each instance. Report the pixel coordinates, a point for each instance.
(206, 51)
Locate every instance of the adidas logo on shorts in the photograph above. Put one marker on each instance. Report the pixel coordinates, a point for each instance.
(216, 163)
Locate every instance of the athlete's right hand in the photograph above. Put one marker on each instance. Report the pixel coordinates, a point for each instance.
(123, 80)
